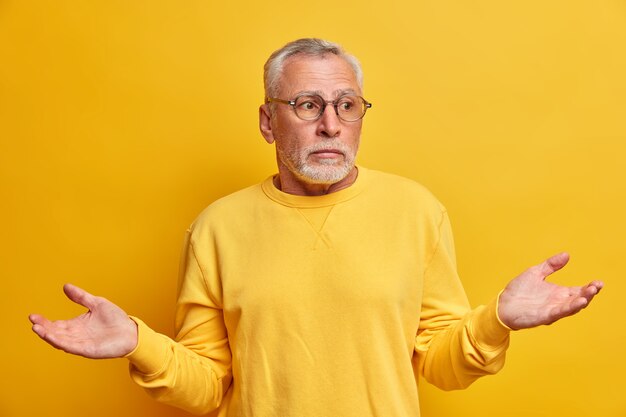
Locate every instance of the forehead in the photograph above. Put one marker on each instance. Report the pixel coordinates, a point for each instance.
(328, 75)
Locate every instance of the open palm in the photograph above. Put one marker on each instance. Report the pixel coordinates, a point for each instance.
(529, 300)
(104, 331)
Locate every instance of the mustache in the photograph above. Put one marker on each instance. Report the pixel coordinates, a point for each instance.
(327, 146)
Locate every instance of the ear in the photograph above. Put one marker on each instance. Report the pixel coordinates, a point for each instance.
(265, 123)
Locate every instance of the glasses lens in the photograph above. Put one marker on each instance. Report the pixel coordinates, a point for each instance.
(350, 108)
(309, 107)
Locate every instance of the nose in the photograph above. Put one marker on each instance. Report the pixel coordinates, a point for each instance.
(329, 124)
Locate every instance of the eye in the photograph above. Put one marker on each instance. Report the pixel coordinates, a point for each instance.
(308, 103)
(346, 104)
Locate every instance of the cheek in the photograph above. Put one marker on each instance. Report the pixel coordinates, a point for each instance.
(296, 137)
(288, 144)
(355, 136)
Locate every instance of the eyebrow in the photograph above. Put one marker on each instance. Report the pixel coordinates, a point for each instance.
(336, 93)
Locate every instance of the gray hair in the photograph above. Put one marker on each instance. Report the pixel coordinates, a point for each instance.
(314, 47)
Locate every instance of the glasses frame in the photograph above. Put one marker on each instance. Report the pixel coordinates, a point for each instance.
(335, 103)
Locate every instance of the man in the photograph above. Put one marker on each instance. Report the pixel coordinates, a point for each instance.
(328, 289)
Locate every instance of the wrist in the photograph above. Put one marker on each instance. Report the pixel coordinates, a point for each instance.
(501, 311)
(131, 339)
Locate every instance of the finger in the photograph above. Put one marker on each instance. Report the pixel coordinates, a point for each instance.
(70, 340)
(40, 323)
(569, 309)
(39, 330)
(592, 289)
(554, 263)
(59, 337)
(57, 340)
(576, 305)
(42, 326)
(37, 319)
(598, 284)
(79, 296)
(588, 291)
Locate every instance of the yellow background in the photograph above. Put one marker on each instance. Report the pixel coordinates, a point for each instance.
(121, 120)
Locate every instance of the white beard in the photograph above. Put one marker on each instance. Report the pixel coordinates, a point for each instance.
(326, 171)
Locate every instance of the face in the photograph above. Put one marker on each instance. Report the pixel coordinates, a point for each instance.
(320, 151)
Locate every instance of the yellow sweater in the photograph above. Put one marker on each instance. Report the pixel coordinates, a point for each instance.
(319, 306)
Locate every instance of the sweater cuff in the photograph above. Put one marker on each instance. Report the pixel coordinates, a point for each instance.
(487, 328)
(150, 354)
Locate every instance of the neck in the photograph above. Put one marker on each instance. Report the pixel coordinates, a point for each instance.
(288, 183)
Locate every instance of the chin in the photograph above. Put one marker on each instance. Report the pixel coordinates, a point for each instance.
(324, 174)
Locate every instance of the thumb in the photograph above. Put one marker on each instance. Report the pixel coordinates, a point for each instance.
(554, 263)
(79, 296)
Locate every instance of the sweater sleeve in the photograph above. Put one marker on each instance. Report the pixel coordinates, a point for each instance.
(192, 372)
(455, 345)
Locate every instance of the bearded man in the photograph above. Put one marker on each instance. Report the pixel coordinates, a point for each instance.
(327, 290)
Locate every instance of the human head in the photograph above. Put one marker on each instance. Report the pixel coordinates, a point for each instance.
(313, 47)
(314, 156)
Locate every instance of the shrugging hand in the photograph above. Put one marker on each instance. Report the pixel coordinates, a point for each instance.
(105, 331)
(529, 301)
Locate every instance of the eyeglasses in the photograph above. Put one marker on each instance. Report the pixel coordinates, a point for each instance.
(348, 108)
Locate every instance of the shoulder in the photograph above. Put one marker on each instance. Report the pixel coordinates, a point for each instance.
(229, 208)
(396, 189)
(388, 179)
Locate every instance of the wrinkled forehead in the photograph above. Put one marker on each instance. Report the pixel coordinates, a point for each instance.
(329, 76)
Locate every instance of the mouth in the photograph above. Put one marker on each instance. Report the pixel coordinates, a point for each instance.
(327, 153)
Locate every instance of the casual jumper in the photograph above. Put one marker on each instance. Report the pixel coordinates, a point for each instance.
(330, 305)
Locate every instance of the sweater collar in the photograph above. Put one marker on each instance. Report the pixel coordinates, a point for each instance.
(302, 201)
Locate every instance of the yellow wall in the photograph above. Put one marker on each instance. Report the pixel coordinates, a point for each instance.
(121, 120)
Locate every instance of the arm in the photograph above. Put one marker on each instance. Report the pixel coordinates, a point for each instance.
(192, 373)
(454, 346)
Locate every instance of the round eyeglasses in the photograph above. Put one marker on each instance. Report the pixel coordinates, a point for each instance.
(348, 108)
